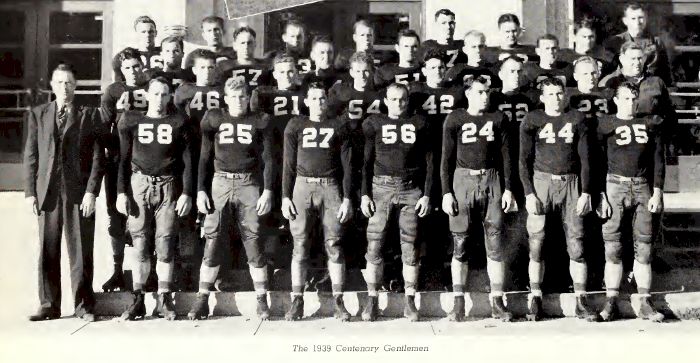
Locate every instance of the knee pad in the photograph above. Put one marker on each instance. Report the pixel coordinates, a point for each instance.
(535, 247)
(642, 253)
(334, 251)
(165, 251)
(575, 249)
(460, 246)
(613, 251)
(494, 255)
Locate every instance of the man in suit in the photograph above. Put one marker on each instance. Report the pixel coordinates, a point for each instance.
(63, 171)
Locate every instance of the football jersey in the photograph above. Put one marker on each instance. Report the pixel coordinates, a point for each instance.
(222, 54)
(316, 150)
(604, 58)
(452, 50)
(303, 62)
(596, 103)
(497, 54)
(328, 77)
(118, 98)
(175, 78)
(195, 101)
(534, 74)
(342, 60)
(435, 104)
(235, 145)
(554, 144)
(255, 74)
(155, 147)
(633, 147)
(150, 59)
(474, 142)
(653, 95)
(343, 98)
(398, 148)
(461, 73)
(393, 73)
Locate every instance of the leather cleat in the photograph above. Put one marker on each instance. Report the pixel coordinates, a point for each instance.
(45, 314)
(409, 309)
(262, 309)
(115, 282)
(611, 311)
(535, 311)
(458, 312)
(200, 308)
(165, 307)
(584, 311)
(648, 312)
(296, 311)
(151, 284)
(499, 310)
(88, 317)
(137, 309)
(339, 310)
(371, 310)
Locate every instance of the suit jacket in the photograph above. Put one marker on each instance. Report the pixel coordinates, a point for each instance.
(83, 160)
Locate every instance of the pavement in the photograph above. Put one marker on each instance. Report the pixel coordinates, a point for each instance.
(313, 339)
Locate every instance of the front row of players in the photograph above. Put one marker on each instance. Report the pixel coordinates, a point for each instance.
(236, 177)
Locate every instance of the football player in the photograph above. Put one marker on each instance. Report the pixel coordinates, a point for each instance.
(235, 152)
(294, 39)
(585, 45)
(555, 173)
(445, 25)
(634, 152)
(549, 65)
(475, 172)
(397, 178)
(155, 187)
(316, 180)
(171, 52)
(587, 97)
(408, 69)
(214, 33)
(363, 37)
(475, 64)
(510, 30)
(254, 71)
(322, 54)
(145, 29)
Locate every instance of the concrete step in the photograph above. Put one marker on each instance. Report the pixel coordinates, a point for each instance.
(430, 304)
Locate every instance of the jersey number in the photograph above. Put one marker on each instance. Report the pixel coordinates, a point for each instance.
(163, 134)
(240, 73)
(452, 53)
(390, 136)
(469, 132)
(403, 78)
(227, 133)
(311, 134)
(446, 103)
(625, 133)
(521, 110)
(566, 133)
(601, 104)
(211, 99)
(139, 100)
(281, 103)
(304, 65)
(355, 108)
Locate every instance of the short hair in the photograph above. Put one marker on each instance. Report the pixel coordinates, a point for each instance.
(508, 18)
(244, 29)
(235, 84)
(64, 67)
(475, 33)
(201, 53)
(628, 85)
(294, 22)
(361, 57)
(399, 86)
(434, 53)
(172, 39)
(510, 58)
(161, 80)
(446, 12)
(283, 57)
(480, 79)
(315, 85)
(322, 39)
(408, 33)
(550, 81)
(551, 37)
(144, 19)
(129, 53)
(630, 46)
(587, 59)
(632, 6)
(364, 23)
(585, 23)
(213, 20)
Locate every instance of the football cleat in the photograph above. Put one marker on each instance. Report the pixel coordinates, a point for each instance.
(498, 309)
(165, 307)
(409, 308)
(296, 311)
(535, 311)
(262, 310)
(371, 310)
(200, 308)
(137, 309)
(584, 311)
(339, 310)
(610, 310)
(648, 312)
(115, 282)
(457, 313)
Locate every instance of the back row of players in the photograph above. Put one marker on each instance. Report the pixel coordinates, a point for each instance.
(390, 139)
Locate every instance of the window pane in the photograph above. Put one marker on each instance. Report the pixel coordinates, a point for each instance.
(11, 64)
(75, 28)
(11, 138)
(11, 26)
(87, 62)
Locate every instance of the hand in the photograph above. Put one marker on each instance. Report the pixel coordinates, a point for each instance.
(183, 205)
(123, 204)
(656, 202)
(88, 205)
(533, 205)
(604, 209)
(367, 206)
(33, 205)
(423, 206)
(264, 202)
(508, 203)
(345, 211)
(204, 205)
(289, 211)
(583, 205)
(449, 205)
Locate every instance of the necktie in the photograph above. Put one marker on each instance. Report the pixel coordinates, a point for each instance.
(61, 117)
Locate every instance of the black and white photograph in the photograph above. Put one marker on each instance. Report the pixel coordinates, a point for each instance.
(349, 180)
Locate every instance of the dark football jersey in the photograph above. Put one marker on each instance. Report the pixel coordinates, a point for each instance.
(556, 145)
(392, 73)
(316, 150)
(222, 54)
(255, 74)
(175, 78)
(195, 101)
(155, 147)
(150, 59)
(303, 62)
(327, 77)
(452, 50)
(596, 103)
(235, 145)
(605, 58)
(633, 147)
(345, 99)
(534, 74)
(117, 98)
(342, 60)
(435, 104)
(497, 54)
(399, 148)
(461, 73)
(653, 95)
(474, 142)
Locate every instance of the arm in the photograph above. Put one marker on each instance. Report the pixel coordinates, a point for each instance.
(527, 146)
(188, 161)
(180, 101)
(289, 160)
(659, 162)
(429, 162)
(368, 165)
(269, 175)
(447, 161)
(125, 153)
(255, 103)
(345, 161)
(31, 155)
(584, 147)
(98, 153)
(505, 154)
(206, 154)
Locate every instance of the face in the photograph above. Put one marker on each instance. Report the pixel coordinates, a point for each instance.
(203, 69)
(294, 37)
(510, 73)
(158, 96)
(445, 25)
(635, 21)
(237, 100)
(434, 70)
(146, 33)
(586, 75)
(585, 38)
(625, 100)
(478, 96)
(552, 97)
(284, 73)
(322, 55)
(396, 101)
(474, 46)
(63, 85)
(316, 101)
(632, 61)
(547, 50)
(213, 34)
(363, 38)
(509, 33)
(360, 73)
(132, 70)
(244, 44)
(172, 54)
(407, 48)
